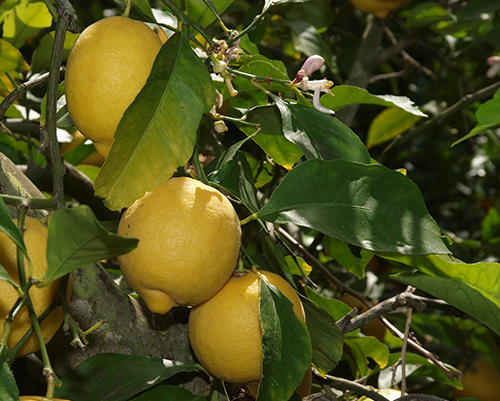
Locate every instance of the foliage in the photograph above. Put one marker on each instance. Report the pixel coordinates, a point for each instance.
(387, 177)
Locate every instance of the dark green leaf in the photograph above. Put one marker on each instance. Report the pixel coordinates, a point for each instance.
(426, 14)
(271, 138)
(487, 117)
(390, 123)
(167, 393)
(344, 95)
(474, 8)
(8, 227)
(159, 127)
(341, 252)
(319, 135)
(370, 206)
(286, 346)
(235, 177)
(472, 288)
(116, 377)
(41, 56)
(326, 339)
(5, 276)
(76, 155)
(76, 239)
(8, 387)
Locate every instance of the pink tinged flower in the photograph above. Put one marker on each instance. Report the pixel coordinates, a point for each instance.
(494, 63)
(312, 63)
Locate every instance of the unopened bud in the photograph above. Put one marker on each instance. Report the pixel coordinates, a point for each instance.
(312, 63)
(220, 127)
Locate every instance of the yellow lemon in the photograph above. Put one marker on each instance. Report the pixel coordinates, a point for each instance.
(106, 69)
(189, 240)
(381, 8)
(225, 331)
(481, 380)
(35, 238)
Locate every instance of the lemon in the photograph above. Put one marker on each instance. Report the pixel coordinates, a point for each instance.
(35, 238)
(381, 8)
(481, 380)
(189, 240)
(106, 69)
(225, 331)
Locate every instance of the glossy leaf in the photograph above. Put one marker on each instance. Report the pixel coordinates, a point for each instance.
(326, 339)
(472, 288)
(261, 66)
(159, 127)
(286, 346)
(11, 59)
(4, 275)
(167, 393)
(370, 206)
(235, 177)
(487, 118)
(8, 387)
(294, 269)
(8, 227)
(24, 21)
(116, 377)
(363, 348)
(203, 13)
(344, 95)
(76, 239)
(271, 138)
(341, 252)
(319, 135)
(390, 123)
(426, 14)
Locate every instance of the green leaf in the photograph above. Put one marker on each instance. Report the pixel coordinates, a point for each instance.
(363, 348)
(472, 288)
(24, 21)
(271, 138)
(167, 393)
(294, 269)
(8, 227)
(286, 346)
(5, 276)
(263, 67)
(491, 224)
(116, 377)
(8, 386)
(159, 127)
(235, 177)
(326, 339)
(341, 252)
(487, 118)
(426, 14)
(389, 124)
(76, 239)
(42, 54)
(203, 13)
(11, 58)
(474, 8)
(370, 206)
(344, 95)
(319, 135)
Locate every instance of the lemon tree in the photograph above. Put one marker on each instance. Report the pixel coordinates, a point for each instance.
(262, 168)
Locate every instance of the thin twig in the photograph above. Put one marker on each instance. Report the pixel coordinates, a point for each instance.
(405, 346)
(343, 384)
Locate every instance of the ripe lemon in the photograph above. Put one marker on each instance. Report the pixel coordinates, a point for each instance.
(189, 240)
(225, 331)
(106, 69)
(35, 238)
(381, 8)
(481, 380)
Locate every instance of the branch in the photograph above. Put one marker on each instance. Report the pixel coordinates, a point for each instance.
(343, 384)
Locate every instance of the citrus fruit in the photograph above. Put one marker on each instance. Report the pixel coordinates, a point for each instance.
(381, 8)
(189, 240)
(106, 69)
(481, 380)
(375, 328)
(225, 331)
(35, 238)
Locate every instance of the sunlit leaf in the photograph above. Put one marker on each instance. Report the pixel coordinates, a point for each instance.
(76, 239)
(24, 21)
(286, 346)
(390, 123)
(116, 377)
(363, 348)
(158, 129)
(487, 118)
(341, 252)
(199, 11)
(472, 288)
(11, 59)
(370, 206)
(344, 95)
(426, 14)
(294, 269)
(261, 66)
(271, 138)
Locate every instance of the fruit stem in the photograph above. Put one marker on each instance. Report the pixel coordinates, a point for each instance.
(126, 13)
(248, 219)
(85, 333)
